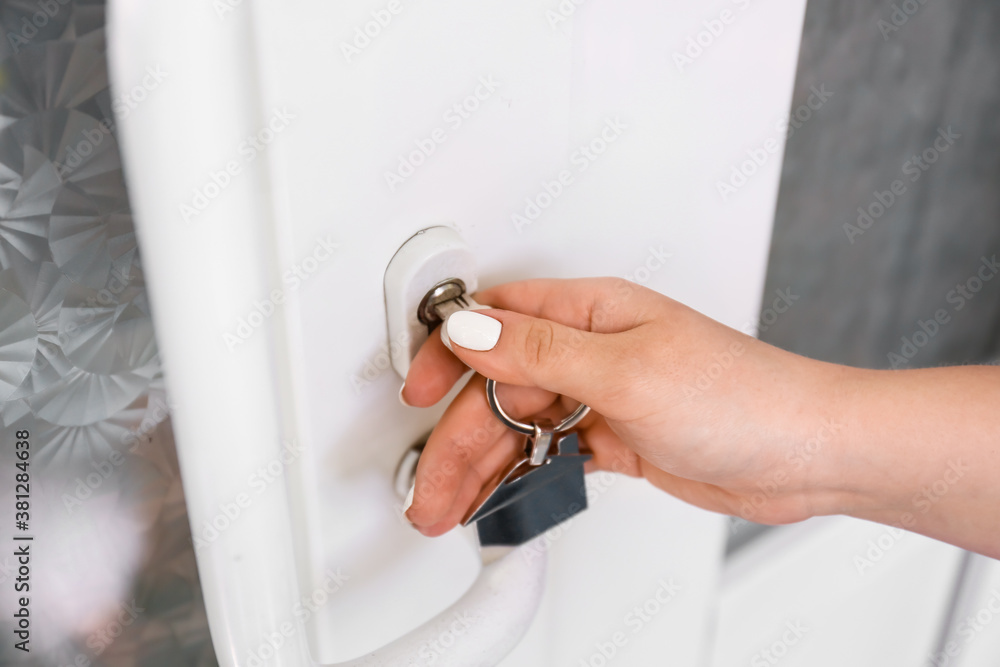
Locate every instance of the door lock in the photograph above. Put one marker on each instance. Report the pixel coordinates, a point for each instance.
(431, 276)
(447, 297)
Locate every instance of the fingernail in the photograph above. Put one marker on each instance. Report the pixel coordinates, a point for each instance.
(401, 399)
(444, 337)
(408, 501)
(473, 330)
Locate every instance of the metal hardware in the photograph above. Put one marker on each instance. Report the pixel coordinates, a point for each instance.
(542, 487)
(529, 429)
(539, 489)
(445, 298)
(430, 259)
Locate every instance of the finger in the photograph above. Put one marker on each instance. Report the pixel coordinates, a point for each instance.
(593, 368)
(433, 372)
(468, 430)
(605, 305)
(493, 461)
(608, 451)
(470, 487)
(588, 304)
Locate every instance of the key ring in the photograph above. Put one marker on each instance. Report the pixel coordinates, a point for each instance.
(529, 429)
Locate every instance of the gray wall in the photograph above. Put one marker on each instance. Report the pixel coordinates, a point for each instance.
(893, 90)
(892, 94)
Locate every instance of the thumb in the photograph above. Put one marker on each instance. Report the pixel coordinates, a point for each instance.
(517, 349)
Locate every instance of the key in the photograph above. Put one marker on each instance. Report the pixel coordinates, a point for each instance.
(534, 493)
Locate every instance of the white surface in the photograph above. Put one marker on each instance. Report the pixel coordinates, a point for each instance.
(482, 627)
(620, 555)
(859, 593)
(652, 193)
(425, 259)
(317, 372)
(974, 639)
(203, 277)
(242, 521)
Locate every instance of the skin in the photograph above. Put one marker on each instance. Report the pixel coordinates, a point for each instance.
(713, 416)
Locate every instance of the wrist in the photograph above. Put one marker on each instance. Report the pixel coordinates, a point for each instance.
(829, 475)
(842, 473)
(798, 420)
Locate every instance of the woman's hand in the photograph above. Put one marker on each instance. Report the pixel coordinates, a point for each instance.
(708, 414)
(702, 411)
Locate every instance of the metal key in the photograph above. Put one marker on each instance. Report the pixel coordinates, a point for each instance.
(537, 491)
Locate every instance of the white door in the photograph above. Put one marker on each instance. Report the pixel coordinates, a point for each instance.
(295, 145)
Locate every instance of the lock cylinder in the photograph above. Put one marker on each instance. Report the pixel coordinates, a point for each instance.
(429, 277)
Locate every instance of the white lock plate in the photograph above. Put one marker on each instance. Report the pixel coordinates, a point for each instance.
(427, 258)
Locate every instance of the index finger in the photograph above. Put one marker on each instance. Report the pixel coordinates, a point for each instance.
(600, 305)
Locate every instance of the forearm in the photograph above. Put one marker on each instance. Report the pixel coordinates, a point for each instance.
(918, 449)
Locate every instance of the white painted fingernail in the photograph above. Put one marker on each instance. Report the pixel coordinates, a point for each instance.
(401, 399)
(444, 329)
(409, 498)
(473, 330)
(444, 336)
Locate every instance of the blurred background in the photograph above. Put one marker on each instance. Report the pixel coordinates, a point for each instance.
(870, 267)
(79, 366)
